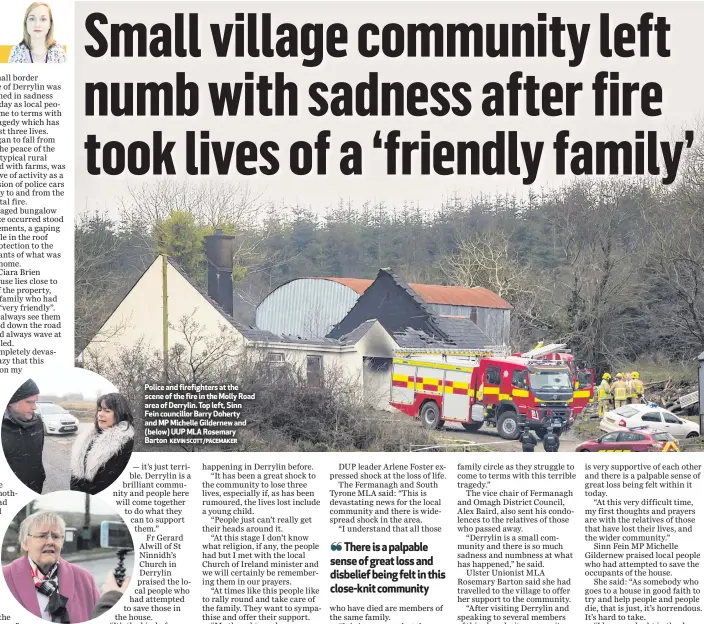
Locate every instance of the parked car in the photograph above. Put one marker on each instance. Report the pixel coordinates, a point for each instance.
(637, 440)
(56, 419)
(658, 418)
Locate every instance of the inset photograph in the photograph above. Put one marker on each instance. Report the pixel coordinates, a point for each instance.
(67, 430)
(67, 557)
(38, 44)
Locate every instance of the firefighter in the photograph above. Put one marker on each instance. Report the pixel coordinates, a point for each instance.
(529, 440)
(604, 394)
(620, 391)
(551, 441)
(630, 395)
(638, 387)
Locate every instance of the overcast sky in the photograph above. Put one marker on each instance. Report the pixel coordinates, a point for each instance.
(61, 381)
(73, 501)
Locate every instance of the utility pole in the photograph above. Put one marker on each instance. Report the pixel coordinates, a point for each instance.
(86, 533)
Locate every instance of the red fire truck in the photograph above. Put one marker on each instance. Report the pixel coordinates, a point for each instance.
(582, 377)
(480, 389)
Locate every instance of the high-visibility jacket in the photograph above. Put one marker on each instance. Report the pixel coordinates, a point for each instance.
(604, 390)
(638, 387)
(620, 390)
(630, 392)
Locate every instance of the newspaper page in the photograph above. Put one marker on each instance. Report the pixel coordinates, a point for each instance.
(356, 260)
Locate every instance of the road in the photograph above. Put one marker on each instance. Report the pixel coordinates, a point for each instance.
(57, 460)
(453, 433)
(100, 568)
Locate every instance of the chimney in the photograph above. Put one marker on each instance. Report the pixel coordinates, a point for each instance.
(218, 251)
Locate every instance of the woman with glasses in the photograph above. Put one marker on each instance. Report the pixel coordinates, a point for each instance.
(42, 582)
(102, 452)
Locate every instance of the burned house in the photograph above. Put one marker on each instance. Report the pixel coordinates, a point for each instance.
(313, 307)
(385, 317)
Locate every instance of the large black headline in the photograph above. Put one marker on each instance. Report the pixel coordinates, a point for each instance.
(258, 35)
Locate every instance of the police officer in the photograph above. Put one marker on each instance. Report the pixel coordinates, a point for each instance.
(528, 438)
(551, 441)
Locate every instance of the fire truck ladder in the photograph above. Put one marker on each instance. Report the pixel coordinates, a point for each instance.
(476, 353)
(541, 352)
(451, 352)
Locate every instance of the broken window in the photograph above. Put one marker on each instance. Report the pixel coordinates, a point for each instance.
(275, 358)
(314, 370)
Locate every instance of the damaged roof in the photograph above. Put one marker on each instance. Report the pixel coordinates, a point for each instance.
(476, 297)
(358, 333)
(255, 334)
(443, 331)
(411, 338)
(462, 332)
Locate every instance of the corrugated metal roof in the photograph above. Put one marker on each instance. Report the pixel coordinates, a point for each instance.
(435, 293)
(256, 334)
(355, 283)
(457, 295)
(306, 307)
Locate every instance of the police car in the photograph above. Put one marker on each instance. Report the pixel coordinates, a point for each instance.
(634, 440)
(648, 415)
(56, 419)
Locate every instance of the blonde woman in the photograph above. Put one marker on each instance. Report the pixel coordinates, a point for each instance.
(38, 44)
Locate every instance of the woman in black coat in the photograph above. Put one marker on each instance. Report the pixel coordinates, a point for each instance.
(102, 452)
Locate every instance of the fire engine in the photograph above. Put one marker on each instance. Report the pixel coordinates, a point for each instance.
(479, 388)
(582, 377)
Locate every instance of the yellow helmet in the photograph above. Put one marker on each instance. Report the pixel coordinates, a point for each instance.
(606, 376)
(619, 376)
(635, 375)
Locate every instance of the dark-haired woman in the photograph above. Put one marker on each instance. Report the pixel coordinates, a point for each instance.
(102, 452)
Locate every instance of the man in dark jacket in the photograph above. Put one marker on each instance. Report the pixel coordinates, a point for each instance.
(551, 441)
(528, 439)
(23, 436)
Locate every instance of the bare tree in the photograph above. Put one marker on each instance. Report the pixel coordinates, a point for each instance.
(99, 278)
(598, 279)
(210, 202)
(213, 205)
(676, 225)
(200, 355)
(489, 260)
